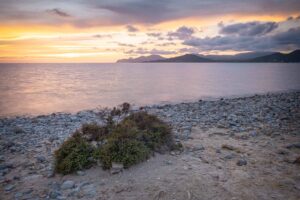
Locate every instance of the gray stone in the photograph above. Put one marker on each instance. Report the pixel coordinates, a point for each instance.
(168, 162)
(6, 166)
(229, 156)
(241, 162)
(80, 173)
(9, 187)
(198, 147)
(88, 191)
(116, 168)
(67, 185)
(291, 146)
(18, 195)
(54, 194)
(41, 159)
(50, 174)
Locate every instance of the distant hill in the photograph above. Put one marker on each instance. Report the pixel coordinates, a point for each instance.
(237, 57)
(279, 57)
(242, 57)
(185, 58)
(141, 59)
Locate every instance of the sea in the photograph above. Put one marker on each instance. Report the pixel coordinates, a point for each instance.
(36, 89)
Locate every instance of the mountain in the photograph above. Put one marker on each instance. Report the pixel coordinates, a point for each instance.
(237, 57)
(141, 59)
(279, 57)
(242, 57)
(184, 58)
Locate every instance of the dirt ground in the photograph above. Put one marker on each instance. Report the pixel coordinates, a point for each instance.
(214, 165)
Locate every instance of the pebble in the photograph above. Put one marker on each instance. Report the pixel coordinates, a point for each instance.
(229, 156)
(168, 162)
(41, 159)
(67, 185)
(241, 162)
(9, 187)
(88, 191)
(236, 115)
(116, 168)
(80, 173)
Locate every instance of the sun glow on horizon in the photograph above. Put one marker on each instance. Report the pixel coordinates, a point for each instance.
(62, 37)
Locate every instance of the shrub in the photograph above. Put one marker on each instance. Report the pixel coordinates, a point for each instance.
(152, 131)
(94, 132)
(129, 142)
(74, 154)
(122, 109)
(128, 152)
(176, 147)
(125, 107)
(115, 111)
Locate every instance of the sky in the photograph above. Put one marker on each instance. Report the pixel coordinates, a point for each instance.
(105, 31)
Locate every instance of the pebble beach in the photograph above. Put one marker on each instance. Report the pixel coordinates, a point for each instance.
(251, 141)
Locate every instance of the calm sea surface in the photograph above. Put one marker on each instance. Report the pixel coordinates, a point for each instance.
(45, 88)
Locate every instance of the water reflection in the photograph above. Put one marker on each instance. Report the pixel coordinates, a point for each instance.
(47, 88)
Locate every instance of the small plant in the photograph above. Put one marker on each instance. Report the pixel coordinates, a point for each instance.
(74, 154)
(129, 142)
(115, 112)
(125, 107)
(128, 152)
(177, 147)
(154, 133)
(94, 132)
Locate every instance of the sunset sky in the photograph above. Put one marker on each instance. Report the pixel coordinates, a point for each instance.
(105, 31)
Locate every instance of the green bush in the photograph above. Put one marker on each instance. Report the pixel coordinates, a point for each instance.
(129, 142)
(153, 132)
(74, 154)
(128, 152)
(125, 107)
(94, 132)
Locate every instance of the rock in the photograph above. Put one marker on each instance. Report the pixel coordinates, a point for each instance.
(80, 173)
(18, 195)
(1, 158)
(168, 162)
(231, 148)
(241, 162)
(229, 156)
(50, 174)
(291, 146)
(116, 168)
(28, 191)
(67, 185)
(41, 159)
(53, 138)
(160, 195)
(6, 166)
(283, 152)
(54, 194)
(89, 191)
(218, 151)
(198, 147)
(9, 187)
(297, 161)
(253, 134)
(18, 130)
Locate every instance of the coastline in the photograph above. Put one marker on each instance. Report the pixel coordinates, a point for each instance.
(28, 143)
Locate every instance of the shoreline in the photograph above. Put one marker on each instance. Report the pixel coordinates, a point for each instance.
(161, 104)
(260, 126)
